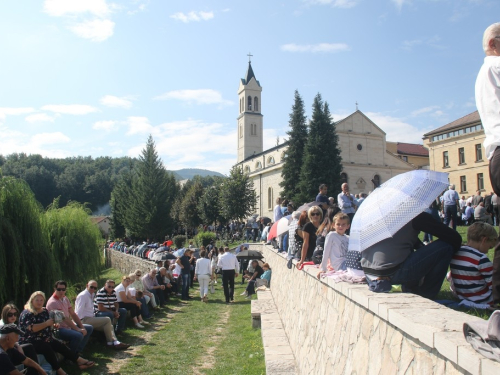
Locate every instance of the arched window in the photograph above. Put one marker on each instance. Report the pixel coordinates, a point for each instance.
(258, 165)
(256, 104)
(241, 131)
(283, 156)
(249, 103)
(376, 181)
(270, 160)
(343, 178)
(270, 198)
(247, 169)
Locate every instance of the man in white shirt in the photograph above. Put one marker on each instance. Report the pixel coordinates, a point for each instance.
(488, 106)
(278, 214)
(347, 203)
(230, 267)
(84, 308)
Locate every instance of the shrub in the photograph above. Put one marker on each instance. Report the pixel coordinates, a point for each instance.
(180, 240)
(204, 238)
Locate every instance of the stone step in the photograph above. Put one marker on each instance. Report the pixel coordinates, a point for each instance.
(277, 351)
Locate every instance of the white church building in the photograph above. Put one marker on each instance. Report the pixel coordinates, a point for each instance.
(363, 149)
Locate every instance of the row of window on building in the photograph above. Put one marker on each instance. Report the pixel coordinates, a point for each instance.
(479, 181)
(461, 156)
(456, 133)
(249, 104)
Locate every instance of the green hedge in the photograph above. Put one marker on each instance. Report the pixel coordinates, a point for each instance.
(180, 241)
(204, 238)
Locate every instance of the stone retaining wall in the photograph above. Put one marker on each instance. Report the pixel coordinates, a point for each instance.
(340, 328)
(127, 263)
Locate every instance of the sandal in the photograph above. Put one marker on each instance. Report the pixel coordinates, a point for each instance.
(86, 365)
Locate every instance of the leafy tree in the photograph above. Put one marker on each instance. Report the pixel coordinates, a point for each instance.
(153, 192)
(295, 151)
(322, 160)
(237, 196)
(189, 215)
(209, 205)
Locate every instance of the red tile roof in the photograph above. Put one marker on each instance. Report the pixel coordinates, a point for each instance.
(471, 118)
(98, 219)
(412, 149)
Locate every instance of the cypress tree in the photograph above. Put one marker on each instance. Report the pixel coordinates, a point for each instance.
(295, 151)
(322, 160)
(189, 214)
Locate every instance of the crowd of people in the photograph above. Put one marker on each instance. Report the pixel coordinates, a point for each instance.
(53, 329)
(319, 236)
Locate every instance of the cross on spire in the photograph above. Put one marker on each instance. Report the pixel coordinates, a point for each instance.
(249, 57)
(356, 105)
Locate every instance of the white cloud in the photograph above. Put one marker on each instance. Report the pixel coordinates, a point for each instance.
(184, 143)
(70, 109)
(115, 101)
(59, 8)
(139, 125)
(431, 42)
(14, 111)
(39, 117)
(334, 3)
(314, 48)
(399, 3)
(107, 126)
(397, 129)
(95, 30)
(201, 96)
(424, 110)
(49, 138)
(193, 16)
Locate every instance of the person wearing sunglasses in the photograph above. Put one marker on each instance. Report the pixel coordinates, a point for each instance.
(315, 215)
(20, 354)
(71, 329)
(84, 308)
(106, 304)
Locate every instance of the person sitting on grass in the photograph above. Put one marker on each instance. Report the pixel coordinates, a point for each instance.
(471, 270)
(336, 244)
(36, 324)
(258, 271)
(71, 329)
(126, 301)
(19, 354)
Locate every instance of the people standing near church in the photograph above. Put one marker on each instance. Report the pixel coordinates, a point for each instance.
(230, 266)
(278, 214)
(450, 204)
(203, 272)
(476, 199)
(488, 105)
(347, 203)
(322, 197)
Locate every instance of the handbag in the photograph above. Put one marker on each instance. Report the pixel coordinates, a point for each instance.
(261, 282)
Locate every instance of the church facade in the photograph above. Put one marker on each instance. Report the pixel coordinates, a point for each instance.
(363, 145)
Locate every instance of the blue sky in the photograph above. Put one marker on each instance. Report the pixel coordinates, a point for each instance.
(96, 77)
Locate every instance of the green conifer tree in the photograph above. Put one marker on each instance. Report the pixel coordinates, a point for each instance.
(295, 151)
(322, 160)
(238, 197)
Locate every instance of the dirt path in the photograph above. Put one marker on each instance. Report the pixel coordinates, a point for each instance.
(122, 357)
(208, 357)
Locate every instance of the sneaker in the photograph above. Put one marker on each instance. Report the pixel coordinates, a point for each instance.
(145, 323)
(245, 293)
(248, 297)
(139, 325)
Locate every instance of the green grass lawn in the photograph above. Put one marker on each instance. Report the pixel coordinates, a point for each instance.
(188, 338)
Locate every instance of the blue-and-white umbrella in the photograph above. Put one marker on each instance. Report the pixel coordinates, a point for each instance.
(179, 252)
(394, 204)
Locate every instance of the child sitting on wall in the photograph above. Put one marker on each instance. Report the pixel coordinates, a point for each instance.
(336, 244)
(470, 269)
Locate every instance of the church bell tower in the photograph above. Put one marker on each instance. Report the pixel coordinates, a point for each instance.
(250, 137)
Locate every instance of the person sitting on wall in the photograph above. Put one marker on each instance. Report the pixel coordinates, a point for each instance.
(106, 304)
(138, 285)
(257, 273)
(126, 301)
(163, 280)
(403, 259)
(152, 286)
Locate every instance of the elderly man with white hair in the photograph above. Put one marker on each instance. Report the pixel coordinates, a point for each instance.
(488, 106)
(450, 204)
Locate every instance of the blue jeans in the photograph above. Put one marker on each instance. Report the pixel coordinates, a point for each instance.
(121, 319)
(144, 309)
(429, 262)
(450, 214)
(185, 285)
(77, 340)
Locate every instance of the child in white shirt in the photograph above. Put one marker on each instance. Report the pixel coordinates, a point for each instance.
(336, 244)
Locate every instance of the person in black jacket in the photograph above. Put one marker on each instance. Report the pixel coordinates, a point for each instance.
(403, 259)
